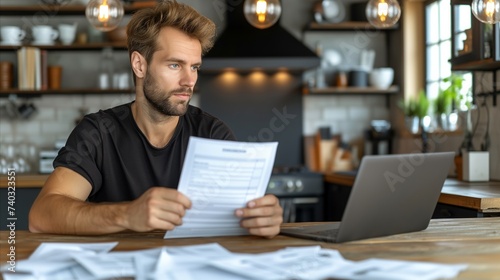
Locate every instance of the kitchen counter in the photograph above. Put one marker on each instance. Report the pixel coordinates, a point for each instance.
(481, 196)
(25, 180)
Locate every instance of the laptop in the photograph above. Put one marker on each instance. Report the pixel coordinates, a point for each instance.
(391, 194)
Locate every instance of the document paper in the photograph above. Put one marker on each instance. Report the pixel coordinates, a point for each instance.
(220, 176)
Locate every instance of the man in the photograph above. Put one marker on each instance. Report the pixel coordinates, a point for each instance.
(120, 167)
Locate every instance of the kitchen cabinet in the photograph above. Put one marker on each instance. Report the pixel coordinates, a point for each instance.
(366, 91)
(359, 32)
(26, 190)
(83, 70)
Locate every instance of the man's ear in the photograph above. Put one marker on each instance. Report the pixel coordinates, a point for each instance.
(139, 65)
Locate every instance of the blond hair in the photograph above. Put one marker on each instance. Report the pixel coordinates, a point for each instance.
(145, 25)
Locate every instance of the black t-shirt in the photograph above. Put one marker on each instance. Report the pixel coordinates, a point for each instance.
(112, 153)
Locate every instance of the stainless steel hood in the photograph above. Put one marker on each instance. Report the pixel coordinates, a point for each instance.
(244, 47)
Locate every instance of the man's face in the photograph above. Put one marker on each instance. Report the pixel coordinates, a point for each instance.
(172, 73)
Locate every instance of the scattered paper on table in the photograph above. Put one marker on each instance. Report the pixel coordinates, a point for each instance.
(212, 261)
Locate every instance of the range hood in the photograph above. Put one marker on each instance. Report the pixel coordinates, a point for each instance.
(244, 47)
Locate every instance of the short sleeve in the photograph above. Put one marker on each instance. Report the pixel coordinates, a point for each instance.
(83, 152)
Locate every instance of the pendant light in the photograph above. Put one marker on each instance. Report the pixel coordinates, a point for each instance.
(487, 11)
(383, 13)
(262, 13)
(104, 15)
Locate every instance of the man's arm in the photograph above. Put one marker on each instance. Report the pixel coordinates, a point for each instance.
(61, 207)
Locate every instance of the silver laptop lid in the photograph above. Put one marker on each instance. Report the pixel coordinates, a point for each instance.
(394, 194)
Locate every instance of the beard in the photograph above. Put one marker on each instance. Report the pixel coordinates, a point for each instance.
(160, 100)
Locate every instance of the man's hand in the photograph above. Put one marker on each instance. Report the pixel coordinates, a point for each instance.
(262, 216)
(157, 208)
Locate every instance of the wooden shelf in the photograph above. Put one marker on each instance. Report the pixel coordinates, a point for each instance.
(480, 65)
(351, 90)
(27, 93)
(69, 9)
(72, 47)
(346, 26)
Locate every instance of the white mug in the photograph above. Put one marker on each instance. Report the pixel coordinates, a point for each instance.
(12, 35)
(44, 34)
(67, 33)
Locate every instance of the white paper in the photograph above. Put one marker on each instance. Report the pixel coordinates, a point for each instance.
(193, 263)
(398, 270)
(51, 249)
(220, 176)
(52, 257)
(114, 264)
(291, 263)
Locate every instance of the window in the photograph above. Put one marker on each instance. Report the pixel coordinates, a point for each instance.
(438, 49)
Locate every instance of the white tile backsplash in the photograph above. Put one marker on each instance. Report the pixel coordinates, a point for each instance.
(5, 129)
(379, 113)
(45, 114)
(348, 116)
(335, 113)
(358, 113)
(353, 101)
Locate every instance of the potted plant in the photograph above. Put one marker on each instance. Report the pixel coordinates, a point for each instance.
(442, 109)
(415, 109)
(411, 119)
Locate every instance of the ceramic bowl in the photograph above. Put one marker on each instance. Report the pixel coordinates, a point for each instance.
(381, 77)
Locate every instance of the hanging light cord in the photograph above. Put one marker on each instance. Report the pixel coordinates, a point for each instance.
(485, 145)
(486, 140)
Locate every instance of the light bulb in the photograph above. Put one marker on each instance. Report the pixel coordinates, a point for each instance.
(383, 13)
(487, 11)
(262, 13)
(104, 15)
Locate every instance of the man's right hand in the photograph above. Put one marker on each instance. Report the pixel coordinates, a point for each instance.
(157, 208)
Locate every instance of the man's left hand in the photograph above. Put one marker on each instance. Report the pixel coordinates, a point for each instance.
(262, 216)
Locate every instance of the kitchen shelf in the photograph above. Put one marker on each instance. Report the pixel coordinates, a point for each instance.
(351, 90)
(72, 47)
(404, 133)
(77, 10)
(63, 9)
(478, 65)
(66, 91)
(346, 26)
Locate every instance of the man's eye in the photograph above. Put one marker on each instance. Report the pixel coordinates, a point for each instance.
(196, 68)
(174, 66)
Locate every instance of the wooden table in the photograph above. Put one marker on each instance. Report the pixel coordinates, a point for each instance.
(484, 197)
(472, 241)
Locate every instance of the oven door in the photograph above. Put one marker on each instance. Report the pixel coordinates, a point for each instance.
(302, 209)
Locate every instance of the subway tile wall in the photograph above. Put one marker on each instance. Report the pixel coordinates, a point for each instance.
(348, 116)
(55, 118)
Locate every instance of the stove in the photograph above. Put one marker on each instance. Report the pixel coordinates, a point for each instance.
(300, 192)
